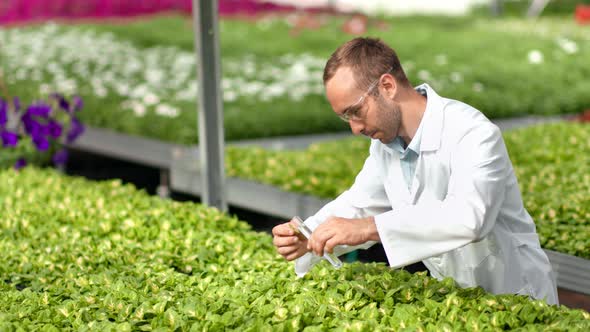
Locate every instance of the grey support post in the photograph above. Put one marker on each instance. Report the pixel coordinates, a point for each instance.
(211, 137)
(496, 7)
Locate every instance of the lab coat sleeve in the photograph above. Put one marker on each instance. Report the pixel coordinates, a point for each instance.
(365, 198)
(479, 166)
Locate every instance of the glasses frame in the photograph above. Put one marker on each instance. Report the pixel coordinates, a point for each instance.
(345, 116)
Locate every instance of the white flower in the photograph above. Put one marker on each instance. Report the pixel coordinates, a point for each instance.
(167, 111)
(535, 57)
(275, 90)
(154, 76)
(477, 87)
(440, 59)
(67, 86)
(44, 89)
(252, 88)
(100, 91)
(151, 99)
(456, 77)
(138, 109)
(30, 62)
(568, 46)
(298, 72)
(230, 96)
(249, 68)
(106, 65)
(122, 89)
(424, 75)
(186, 95)
(140, 91)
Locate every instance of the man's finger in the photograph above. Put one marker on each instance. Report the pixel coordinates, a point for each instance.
(288, 250)
(320, 237)
(282, 230)
(330, 244)
(282, 241)
(296, 254)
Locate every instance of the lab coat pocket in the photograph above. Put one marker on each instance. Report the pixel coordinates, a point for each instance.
(475, 262)
(472, 255)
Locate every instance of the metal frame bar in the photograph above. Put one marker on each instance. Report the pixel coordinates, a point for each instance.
(571, 272)
(211, 135)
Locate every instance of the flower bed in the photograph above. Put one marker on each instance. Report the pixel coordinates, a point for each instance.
(554, 177)
(40, 126)
(101, 256)
(139, 78)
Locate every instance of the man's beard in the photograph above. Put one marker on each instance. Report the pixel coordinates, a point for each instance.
(389, 119)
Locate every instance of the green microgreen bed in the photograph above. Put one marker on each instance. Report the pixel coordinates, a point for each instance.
(552, 164)
(88, 256)
(138, 78)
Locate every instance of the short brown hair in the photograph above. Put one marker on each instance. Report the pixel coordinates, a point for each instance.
(369, 58)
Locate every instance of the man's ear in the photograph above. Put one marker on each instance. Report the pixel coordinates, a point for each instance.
(389, 84)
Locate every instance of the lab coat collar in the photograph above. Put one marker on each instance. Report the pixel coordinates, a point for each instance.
(432, 121)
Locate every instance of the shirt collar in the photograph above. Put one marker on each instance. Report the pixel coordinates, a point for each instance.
(432, 121)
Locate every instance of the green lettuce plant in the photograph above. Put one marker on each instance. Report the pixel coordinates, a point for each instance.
(100, 256)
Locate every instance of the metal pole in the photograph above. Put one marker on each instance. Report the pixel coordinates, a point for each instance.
(211, 138)
(536, 8)
(496, 7)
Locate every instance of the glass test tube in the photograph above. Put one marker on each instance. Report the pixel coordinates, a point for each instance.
(301, 227)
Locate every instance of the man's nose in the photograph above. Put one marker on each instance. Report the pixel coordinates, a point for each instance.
(356, 127)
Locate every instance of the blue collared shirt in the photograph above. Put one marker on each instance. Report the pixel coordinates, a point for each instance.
(408, 155)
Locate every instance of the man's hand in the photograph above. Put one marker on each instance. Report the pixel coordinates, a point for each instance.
(289, 242)
(337, 231)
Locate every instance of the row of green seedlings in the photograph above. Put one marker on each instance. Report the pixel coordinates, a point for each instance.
(103, 256)
(551, 161)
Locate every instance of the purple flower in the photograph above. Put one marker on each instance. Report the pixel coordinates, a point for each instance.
(63, 103)
(41, 142)
(54, 128)
(78, 103)
(60, 157)
(76, 130)
(39, 109)
(40, 123)
(3, 113)
(9, 138)
(20, 163)
(32, 127)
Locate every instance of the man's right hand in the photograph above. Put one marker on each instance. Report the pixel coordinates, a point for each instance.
(290, 243)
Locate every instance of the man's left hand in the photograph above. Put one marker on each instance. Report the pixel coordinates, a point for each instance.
(338, 231)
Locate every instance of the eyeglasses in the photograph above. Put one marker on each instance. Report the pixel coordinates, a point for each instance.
(353, 112)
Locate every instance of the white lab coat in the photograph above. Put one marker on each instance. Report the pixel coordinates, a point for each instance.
(463, 216)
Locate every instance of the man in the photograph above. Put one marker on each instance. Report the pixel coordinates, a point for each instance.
(438, 185)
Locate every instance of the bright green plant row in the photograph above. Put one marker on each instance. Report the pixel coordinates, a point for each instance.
(552, 164)
(137, 78)
(80, 255)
